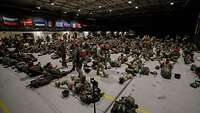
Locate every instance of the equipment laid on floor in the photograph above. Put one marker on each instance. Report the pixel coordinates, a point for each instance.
(125, 105)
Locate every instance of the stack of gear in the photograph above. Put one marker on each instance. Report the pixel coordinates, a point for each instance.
(8, 61)
(188, 56)
(115, 63)
(48, 75)
(132, 69)
(94, 65)
(125, 78)
(195, 69)
(196, 82)
(22, 67)
(153, 73)
(125, 105)
(144, 71)
(166, 70)
(174, 54)
(87, 69)
(83, 89)
(122, 59)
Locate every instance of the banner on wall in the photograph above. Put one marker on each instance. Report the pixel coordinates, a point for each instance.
(10, 21)
(76, 25)
(49, 23)
(39, 22)
(73, 25)
(59, 23)
(27, 22)
(66, 24)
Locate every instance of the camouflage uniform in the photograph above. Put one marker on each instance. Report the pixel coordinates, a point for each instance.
(101, 59)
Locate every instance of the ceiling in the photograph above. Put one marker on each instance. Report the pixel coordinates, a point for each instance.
(95, 8)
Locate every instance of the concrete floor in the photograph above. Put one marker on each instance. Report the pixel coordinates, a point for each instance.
(152, 94)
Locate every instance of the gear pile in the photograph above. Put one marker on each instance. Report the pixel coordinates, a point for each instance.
(125, 105)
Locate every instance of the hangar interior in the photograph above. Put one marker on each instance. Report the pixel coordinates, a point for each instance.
(99, 56)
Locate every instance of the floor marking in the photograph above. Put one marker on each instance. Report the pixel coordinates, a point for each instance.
(142, 110)
(3, 107)
(108, 97)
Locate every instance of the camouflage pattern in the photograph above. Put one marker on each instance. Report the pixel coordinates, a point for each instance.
(125, 105)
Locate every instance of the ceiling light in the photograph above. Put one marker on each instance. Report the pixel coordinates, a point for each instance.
(65, 12)
(91, 13)
(136, 7)
(110, 10)
(171, 3)
(52, 3)
(77, 14)
(79, 10)
(100, 6)
(38, 7)
(129, 2)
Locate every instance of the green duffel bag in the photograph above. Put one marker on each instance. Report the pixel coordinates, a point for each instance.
(115, 63)
(166, 73)
(144, 71)
(193, 67)
(130, 71)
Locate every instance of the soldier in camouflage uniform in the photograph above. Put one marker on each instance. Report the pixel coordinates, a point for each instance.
(101, 59)
(166, 69)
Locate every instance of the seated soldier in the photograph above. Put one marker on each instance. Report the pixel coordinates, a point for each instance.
(122, 58)
(166, 69)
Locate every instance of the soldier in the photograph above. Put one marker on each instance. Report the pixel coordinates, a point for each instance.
(101, 57)
(166, 69)
(76, 59)
(62, 52)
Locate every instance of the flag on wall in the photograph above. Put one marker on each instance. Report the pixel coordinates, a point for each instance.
(10, 21)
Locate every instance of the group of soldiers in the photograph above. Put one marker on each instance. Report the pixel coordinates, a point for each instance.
(97, 50)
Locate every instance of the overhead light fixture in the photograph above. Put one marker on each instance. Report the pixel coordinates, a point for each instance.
(38, 7)
(110, 10)
(52, 3)
(79, 10)
(100, 6)
(171, 3)
(129, 2)
(91, 13)
(136, 7)
(77, 14)
(65, 12)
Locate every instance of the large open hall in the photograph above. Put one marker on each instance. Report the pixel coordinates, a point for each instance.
(99, 56)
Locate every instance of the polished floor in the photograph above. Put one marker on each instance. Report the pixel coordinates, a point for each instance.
(152, 94)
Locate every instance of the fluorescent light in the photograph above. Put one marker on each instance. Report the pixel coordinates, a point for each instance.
(77, 14)
(110, 10)
(100, 6)
(136, 7)
(65, 12)
(90, 12)
(129, 2)
(38, 7)
(52, 3)
(79, 10)
(171, 3)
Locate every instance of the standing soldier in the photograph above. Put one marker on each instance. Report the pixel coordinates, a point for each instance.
(101, 57)
(77, 60)
(62, 52)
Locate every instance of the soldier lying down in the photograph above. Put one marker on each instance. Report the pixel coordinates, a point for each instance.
(50, 73)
